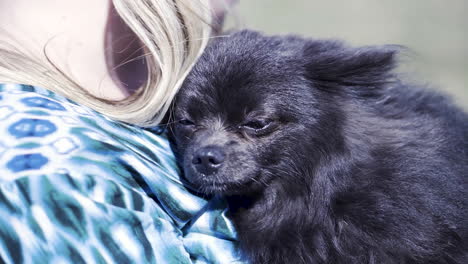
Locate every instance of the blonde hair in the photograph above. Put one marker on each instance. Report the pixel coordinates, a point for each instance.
(173, 34)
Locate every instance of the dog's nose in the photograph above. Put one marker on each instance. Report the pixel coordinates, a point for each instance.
(207, 160)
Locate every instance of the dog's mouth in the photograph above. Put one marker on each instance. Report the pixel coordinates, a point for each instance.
(213, 185)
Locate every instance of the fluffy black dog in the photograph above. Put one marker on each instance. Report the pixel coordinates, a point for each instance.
(323, 154)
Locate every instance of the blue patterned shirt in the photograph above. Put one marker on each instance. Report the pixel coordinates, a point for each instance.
(77, 187)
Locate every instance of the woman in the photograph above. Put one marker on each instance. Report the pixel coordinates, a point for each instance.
(75, 184)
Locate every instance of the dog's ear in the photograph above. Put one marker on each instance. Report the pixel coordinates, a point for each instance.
(330, 64)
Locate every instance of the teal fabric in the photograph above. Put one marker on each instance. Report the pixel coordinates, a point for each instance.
(77, 187)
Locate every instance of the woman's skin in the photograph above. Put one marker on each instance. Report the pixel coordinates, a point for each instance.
(73, 35)
(85, 39)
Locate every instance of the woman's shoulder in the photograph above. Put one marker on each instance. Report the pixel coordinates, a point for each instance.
(97, 180)
(35, 118)
(42, 133)
(27, 103)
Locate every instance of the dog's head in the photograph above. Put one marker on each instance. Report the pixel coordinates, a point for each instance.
(257, 109)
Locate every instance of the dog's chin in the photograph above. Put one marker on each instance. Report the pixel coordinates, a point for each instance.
(212, 185)
(215, 188)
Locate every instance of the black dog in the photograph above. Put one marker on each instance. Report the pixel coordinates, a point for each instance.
(323, 154)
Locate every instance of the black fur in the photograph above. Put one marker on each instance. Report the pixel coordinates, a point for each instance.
(330, 157)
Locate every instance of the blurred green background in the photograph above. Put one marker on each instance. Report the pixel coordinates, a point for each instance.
(436, 31)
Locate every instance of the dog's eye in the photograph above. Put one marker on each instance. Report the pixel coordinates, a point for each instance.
(186, 122)
(256, 124)
(257, 127)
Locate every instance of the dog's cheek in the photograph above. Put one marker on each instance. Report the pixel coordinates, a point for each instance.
(240, 163)
(271, 150)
